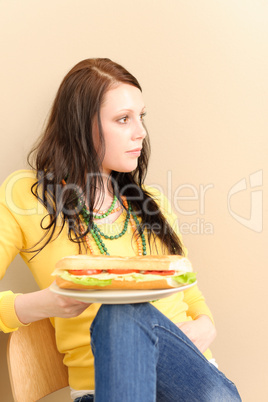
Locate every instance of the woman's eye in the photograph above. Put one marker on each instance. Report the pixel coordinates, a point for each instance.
(142, 116)
(123, 120)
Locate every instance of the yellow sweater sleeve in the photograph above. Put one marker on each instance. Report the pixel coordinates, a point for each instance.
(195, 300)
(11, 241)
(193, 297)
(8, 318)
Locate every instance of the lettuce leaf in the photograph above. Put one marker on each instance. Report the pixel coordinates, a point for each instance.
(187, 278)
(86, 280)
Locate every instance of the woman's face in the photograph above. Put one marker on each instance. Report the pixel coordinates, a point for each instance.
(122, 114)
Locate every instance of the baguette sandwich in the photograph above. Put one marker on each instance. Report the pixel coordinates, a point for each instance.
(109, 272)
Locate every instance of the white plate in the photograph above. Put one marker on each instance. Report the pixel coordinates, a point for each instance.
(118, 296)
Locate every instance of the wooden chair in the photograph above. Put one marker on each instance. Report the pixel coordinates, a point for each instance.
(35, 366)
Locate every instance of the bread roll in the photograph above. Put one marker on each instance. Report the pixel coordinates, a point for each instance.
(144, 263)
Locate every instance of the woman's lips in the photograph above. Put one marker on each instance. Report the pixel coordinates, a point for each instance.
(134, 152)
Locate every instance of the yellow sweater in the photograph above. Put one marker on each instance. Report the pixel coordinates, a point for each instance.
(20, 217)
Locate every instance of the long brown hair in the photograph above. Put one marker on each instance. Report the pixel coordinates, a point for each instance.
(66, 152)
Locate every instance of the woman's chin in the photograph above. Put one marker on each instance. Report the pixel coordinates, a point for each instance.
(126, 168)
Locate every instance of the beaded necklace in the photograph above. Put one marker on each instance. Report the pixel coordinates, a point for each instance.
(98, 235)
(111, 210)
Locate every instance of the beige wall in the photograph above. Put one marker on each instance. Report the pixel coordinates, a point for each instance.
(203, 67)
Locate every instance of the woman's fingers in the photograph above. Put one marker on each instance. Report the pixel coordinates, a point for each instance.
(44, 303)
(200, 331)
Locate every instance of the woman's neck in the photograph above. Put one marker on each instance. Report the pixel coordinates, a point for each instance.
(104, 194)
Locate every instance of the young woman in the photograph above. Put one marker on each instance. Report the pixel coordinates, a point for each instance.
(93, 157)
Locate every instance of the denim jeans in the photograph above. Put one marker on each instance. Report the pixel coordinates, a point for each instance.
(140, 355)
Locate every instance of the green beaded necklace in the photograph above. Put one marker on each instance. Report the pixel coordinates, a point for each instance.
(97, 234)
(108, 211)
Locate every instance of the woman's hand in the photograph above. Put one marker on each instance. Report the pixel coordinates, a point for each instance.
(200, 331)
(35, 306)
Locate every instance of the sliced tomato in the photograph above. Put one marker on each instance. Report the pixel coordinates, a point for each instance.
(84, 271)
(162, 273)
(122, 271)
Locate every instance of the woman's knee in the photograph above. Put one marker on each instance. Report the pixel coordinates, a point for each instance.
(112, 321)
(118, 313)
(110, 313)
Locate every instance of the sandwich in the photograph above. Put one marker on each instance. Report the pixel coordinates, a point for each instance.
(109, 272)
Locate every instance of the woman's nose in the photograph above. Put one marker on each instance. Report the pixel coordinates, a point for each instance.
(140, 130)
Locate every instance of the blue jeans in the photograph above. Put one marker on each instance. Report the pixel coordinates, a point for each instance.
(140, 355)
